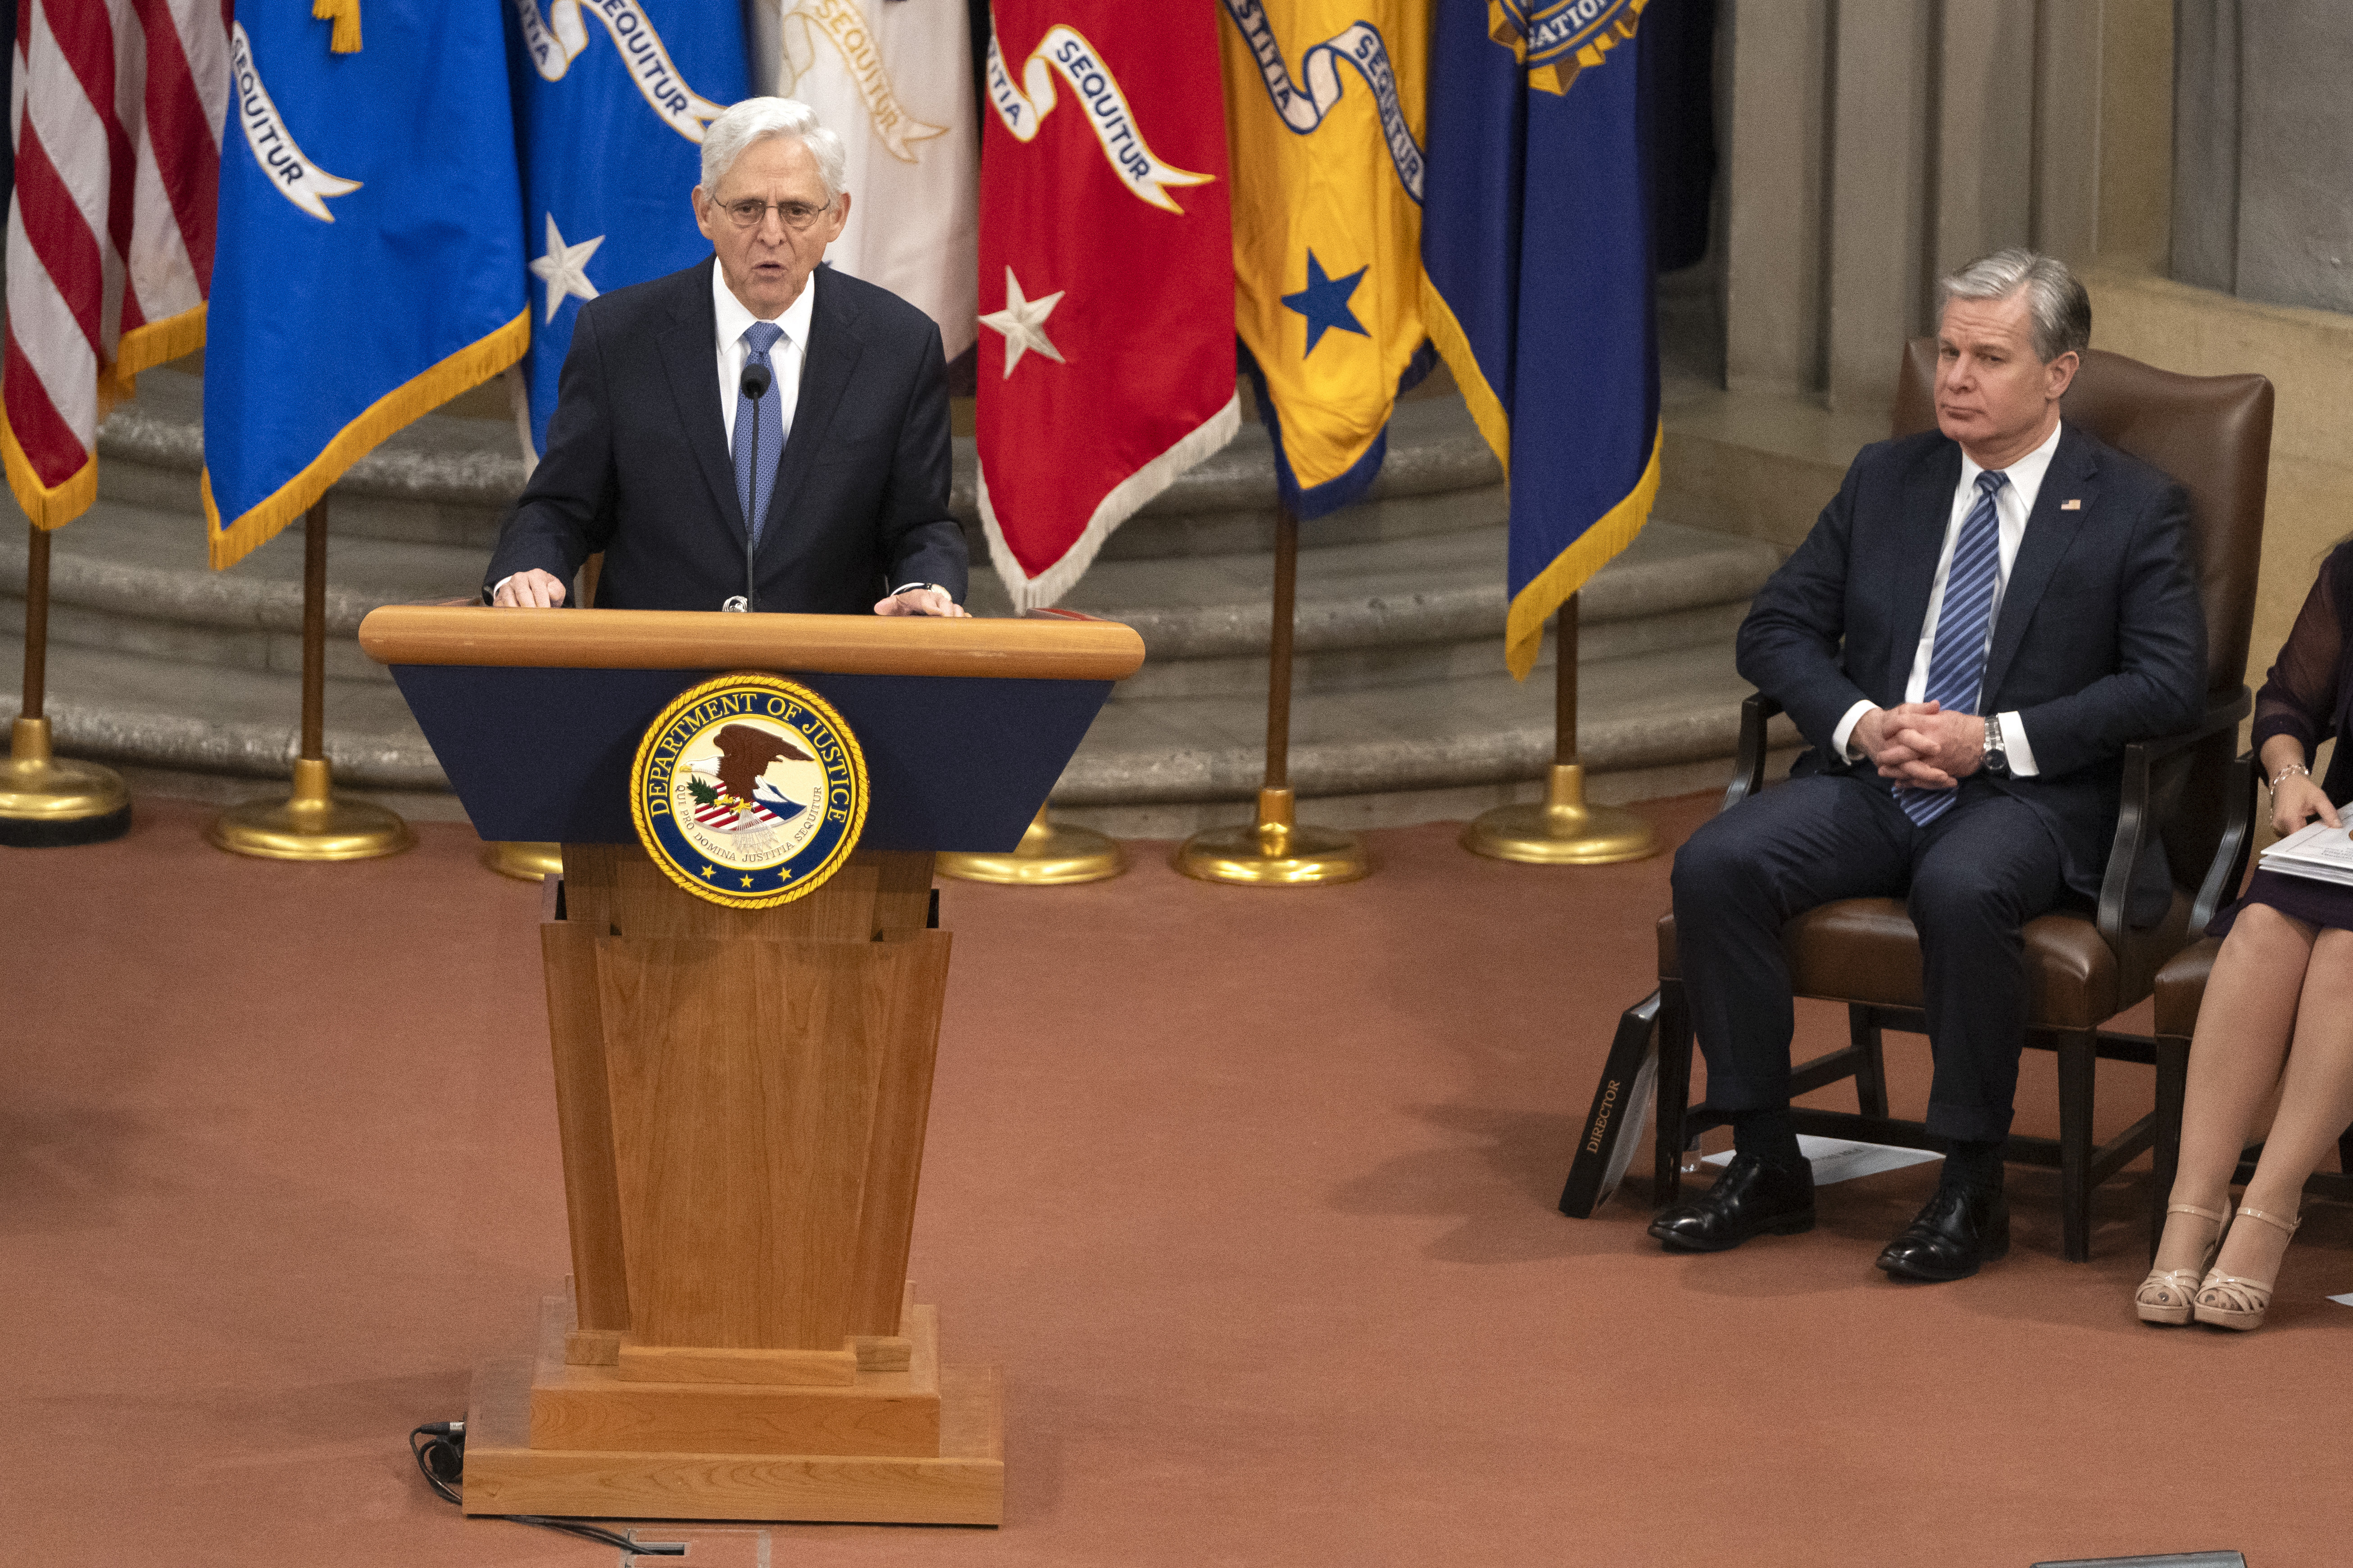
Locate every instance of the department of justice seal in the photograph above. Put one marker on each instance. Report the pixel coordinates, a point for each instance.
(748, 790)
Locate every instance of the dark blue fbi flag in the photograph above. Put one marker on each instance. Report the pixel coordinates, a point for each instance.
(1536, 277)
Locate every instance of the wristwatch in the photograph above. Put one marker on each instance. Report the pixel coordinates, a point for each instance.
(1997, 761)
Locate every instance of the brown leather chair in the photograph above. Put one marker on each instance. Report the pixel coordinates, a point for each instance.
(2181, 989)
(2213, 435)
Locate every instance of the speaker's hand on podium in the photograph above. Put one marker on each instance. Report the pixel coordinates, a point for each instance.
(922, 601)
(534, 589)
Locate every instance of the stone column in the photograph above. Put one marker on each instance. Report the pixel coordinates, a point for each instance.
(1876, 144)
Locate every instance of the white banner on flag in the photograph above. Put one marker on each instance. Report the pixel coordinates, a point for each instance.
(893, 79)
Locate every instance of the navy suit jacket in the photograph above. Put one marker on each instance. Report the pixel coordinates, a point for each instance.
(2099, 641)
(638, 465)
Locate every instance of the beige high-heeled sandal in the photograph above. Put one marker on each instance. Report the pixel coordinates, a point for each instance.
(2239, 1302)
(2164, 1296)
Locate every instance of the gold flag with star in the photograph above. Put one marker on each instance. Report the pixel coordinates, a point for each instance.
(1323, 112)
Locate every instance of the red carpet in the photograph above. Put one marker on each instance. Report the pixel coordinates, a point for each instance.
(1249, 1193)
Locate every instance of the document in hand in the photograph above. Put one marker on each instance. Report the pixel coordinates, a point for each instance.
(2321, 852)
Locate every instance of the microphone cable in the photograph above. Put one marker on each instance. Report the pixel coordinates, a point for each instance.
(439, 1449)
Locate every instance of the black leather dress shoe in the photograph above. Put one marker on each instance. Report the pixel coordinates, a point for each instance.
(1751, 1198)
(1959, 1229)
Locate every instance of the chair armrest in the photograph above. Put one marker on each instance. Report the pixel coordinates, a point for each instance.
(1748, 773)
(2229, 867)
(2137, 814)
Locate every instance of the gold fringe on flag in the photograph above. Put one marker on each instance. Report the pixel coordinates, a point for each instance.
(144, 348)
(1550, 588)
(345, 13)
(52, 507)
(419, 396)
(1454, 347)
(49, 507)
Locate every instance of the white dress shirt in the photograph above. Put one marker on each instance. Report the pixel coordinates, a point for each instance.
(2012, 505)
(784, 357)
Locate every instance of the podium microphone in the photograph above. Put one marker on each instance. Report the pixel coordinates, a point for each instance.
(754, 386)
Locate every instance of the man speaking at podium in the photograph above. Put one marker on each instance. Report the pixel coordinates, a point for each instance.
(1982, 621)
(754, 385)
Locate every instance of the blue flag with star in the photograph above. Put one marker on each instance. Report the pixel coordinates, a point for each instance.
(609, 113)
(1536, 259)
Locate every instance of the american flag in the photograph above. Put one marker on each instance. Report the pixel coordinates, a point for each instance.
(116, 108)
(723, 817)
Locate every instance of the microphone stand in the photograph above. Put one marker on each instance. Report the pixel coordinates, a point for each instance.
(753, 387)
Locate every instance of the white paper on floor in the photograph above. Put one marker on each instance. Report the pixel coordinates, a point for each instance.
(2342, 1300)
(1839, 1160)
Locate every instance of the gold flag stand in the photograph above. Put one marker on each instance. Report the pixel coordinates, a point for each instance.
(1561, 829)
(46, 801)
(1274, 851)
(525, 860)
(1050, 855)
(312, 823)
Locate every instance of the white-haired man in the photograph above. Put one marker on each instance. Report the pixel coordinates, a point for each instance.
(755, 432)
(1982, 620)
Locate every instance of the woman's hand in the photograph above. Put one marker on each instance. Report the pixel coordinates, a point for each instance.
(2297, 801)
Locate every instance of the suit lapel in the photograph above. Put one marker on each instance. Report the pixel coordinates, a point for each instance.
(689, 351)
(2049, 531)
(1927, 511)
(827, 363)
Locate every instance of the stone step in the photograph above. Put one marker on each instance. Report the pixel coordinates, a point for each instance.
(1405, 611)
(1402, 710)
(448, 478)
(1637, 713)
(133, 579)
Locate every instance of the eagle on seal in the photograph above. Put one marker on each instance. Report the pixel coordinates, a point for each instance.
(744, 754)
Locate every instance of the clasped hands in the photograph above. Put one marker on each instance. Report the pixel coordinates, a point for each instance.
(1921, 744)
(535, 589)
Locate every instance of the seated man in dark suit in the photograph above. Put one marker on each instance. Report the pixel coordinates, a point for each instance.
(1980, 622)
(754, 432)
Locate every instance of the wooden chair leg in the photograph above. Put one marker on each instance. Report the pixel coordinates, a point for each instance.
(2165, 1155)
(2078, 1061)
(1863, 1035)
(1674, 1090)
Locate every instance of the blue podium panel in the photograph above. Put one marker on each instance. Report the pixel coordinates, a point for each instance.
(953, 762)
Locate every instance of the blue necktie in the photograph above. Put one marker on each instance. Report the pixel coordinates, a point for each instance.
(1956, 664)
(758, 338)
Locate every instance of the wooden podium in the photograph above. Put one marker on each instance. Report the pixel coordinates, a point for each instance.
(742, 1093)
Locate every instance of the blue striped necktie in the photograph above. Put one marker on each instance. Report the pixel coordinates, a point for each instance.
(1956, 664)
(758, 338)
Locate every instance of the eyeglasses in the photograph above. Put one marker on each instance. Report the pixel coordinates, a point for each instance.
(749, 212)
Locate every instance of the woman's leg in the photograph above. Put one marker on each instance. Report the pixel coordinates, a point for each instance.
(2316, 1106)
(2234, 1063)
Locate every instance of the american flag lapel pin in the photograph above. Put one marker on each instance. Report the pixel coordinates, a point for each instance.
(2071, 505)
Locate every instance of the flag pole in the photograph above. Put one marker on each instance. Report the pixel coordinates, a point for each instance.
(1274, 851)
(312, 824)
(1561, 829)
(47, 802)
(1050, 855)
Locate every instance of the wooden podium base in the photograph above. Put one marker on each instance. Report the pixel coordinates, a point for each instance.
(921, 1444)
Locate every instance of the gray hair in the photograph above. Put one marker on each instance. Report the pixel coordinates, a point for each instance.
(2056, 301)
(756, 119)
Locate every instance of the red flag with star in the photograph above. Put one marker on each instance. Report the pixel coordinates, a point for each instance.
(1106, 276)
